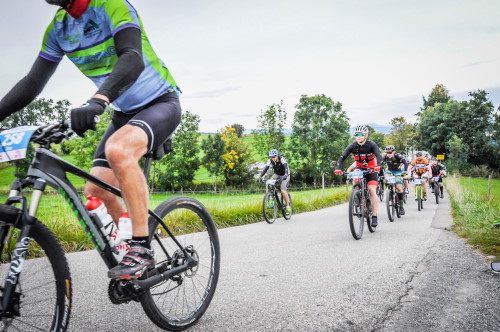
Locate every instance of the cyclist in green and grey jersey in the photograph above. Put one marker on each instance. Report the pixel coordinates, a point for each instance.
(106, 40)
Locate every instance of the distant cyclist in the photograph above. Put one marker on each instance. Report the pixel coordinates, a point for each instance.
(420, 166)
(281, 173)
(437, 170)
(366, 155)
(396, 165)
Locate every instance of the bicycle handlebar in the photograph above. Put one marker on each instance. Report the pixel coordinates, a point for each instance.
(52, 133)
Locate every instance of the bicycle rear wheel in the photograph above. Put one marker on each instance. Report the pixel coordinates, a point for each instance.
(180, 301)
(390, 204)
(356, 212)
(269, 208)
(288, 214)
(42, 298)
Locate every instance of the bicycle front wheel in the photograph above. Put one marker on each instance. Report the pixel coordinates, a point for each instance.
(390, 204)
(42, 298)
(269, 208)
(180, 301)
(356, 214)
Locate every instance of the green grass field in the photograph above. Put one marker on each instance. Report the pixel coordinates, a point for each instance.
(475, 213)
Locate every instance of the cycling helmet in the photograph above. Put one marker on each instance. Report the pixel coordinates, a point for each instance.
(418, 154)
(390, 148)
(361, 129)
(273, 153)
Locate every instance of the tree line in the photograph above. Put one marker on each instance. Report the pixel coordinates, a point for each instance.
(466, 132)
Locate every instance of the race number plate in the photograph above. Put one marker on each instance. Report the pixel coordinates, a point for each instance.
(418, 181)
(14, 142)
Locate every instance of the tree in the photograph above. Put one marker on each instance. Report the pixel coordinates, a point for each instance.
(402, 134)
(213, 148)
(439, 94)
(236, 158)
(320, 134)
(270, 133)
(39, 112)
(238, 129)
(179, 169)
(457, 150)
(471, 121)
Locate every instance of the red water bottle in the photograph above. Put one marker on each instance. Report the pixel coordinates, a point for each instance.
(95, 205)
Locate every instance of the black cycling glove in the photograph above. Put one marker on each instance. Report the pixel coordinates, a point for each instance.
(83, 118)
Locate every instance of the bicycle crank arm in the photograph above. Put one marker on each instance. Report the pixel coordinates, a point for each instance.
(158, 278)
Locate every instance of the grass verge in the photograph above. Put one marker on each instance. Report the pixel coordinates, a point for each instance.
(475, 213)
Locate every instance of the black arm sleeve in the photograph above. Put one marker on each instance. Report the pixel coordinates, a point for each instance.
(376, 150)
(130, 64)
(28, 88)
(404, 161)
(343, 157)
(264, 171)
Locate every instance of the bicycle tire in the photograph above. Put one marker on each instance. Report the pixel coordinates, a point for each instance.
(436, 191)
(390, 205)
(369, 215)
(40, 278)
(356, 219)
(418, 192)
(380, 191)
(287, 215)
(396, 205)
(269, 208)
(200, 282)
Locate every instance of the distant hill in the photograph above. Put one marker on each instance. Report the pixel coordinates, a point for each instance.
(378, 128)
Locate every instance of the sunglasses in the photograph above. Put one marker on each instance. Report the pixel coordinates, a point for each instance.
(389, 152)
(359, 135)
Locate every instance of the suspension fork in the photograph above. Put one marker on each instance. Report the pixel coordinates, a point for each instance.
(22, 244)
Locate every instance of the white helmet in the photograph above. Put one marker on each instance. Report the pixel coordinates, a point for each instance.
(361, 129)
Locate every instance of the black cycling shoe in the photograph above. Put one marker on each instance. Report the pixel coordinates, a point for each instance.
(401, 211)
(374, 221)
(134, 263)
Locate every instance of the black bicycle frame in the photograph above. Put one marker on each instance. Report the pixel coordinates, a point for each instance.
(48, 168)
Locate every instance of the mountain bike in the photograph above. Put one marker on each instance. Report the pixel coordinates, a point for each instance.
(274, 201)
(360, 208)
(380, 187)
(435, 187)
(37, 292)
(392, 199)
(419, 192)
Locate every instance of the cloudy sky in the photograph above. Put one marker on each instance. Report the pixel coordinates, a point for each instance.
(234, 58)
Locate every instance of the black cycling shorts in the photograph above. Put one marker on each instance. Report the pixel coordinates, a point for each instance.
(158, 119)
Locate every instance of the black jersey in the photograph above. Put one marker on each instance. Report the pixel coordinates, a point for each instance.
(366, 155)
(394, 163)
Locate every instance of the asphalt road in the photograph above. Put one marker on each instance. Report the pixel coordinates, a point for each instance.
(309, 274)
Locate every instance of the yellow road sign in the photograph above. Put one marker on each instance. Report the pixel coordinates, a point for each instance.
(440, 156)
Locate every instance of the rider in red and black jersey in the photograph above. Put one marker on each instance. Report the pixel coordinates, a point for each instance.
(367, 155)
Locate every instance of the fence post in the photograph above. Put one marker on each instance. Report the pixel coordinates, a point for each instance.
(323, 184)
(489, 187)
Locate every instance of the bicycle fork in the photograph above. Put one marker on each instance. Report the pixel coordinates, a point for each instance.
(10, 299)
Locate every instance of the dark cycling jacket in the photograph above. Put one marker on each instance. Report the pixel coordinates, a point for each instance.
(363, 154)
(280, 167)
(394, 163)
(436, 169)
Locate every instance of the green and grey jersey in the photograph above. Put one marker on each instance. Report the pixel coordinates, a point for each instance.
(88, 42)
